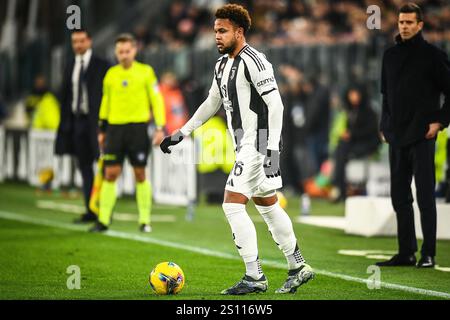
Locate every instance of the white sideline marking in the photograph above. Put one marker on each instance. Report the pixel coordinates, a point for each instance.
(378, 256)
(213, 253)
(323, 221)
(120, 216)
(444, 269)
(363, 253)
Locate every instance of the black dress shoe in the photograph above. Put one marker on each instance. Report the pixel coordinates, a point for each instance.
(86, 218)
(426, 262)
(398, 260)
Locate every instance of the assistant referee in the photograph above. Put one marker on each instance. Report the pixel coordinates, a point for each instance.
(130, 98)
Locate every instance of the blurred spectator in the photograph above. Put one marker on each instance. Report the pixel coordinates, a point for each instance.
(338, 122)
(205, 38)
(360, 137)
(296, 157)
(193, 93)
(317, 121)
(176, 110)
(186, 30)
(176, 12)
(216, 157)
(177, 23)
(46, 114)
(33, 99)
(142, 36)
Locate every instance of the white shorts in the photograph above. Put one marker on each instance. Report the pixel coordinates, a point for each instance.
(247, 176)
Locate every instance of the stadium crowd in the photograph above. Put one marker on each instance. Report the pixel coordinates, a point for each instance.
(289, 22)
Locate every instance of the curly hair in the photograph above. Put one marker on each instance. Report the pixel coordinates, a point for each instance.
(236, 14)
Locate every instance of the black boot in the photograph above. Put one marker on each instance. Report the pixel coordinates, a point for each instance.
(426, 262)
(398, 260)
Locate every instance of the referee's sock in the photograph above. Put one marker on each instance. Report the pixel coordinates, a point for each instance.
(108, 198)
(144, 201)
(280, 226)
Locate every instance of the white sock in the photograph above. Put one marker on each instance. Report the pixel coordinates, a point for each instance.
(295, 260)
(244, 235)
(253, 269)
(280, 226)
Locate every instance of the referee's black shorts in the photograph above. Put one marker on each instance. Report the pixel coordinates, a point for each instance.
(127, 140)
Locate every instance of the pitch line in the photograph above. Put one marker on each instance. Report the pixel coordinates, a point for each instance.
(212, 253)
(120, 216)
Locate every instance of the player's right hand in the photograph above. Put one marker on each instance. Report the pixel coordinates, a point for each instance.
(171, 141)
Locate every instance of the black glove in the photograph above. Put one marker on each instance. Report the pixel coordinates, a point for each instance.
(272, 164)
(171, 141)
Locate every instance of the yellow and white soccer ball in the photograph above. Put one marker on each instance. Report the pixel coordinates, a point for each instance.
(167, 278)
(282, 200)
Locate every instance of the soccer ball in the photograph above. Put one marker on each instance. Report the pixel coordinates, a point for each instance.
(167, 278)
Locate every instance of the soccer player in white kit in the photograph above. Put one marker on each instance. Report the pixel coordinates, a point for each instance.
(245, 85)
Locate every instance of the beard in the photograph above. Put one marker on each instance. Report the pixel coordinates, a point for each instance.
(229, 49)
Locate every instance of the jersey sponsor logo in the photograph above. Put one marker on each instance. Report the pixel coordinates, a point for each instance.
(265, 81)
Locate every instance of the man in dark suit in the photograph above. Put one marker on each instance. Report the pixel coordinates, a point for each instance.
(414, 74)
(80, 102)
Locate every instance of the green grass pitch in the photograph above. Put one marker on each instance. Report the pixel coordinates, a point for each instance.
(38, 245)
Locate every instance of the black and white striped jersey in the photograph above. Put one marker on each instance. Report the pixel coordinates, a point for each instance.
(246, 88)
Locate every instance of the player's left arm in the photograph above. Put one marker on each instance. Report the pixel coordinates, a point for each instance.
(266, 85)
(158, 108)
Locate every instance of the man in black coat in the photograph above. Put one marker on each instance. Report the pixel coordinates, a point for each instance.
(414, 74)
(80, 102)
